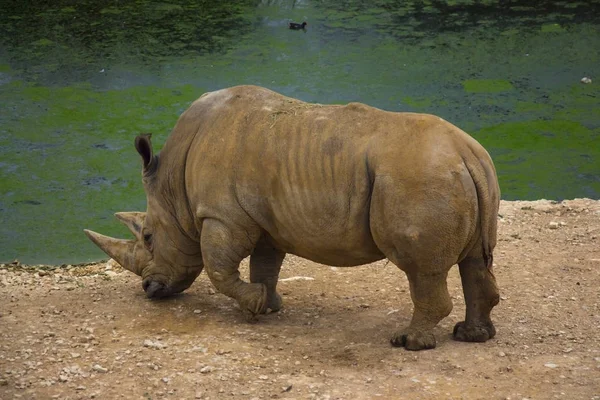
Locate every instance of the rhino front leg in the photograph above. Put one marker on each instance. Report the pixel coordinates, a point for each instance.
(432, 303)
(223, 249)
(481, 295)
(265, 264)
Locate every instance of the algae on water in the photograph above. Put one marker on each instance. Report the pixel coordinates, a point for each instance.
(80, 79)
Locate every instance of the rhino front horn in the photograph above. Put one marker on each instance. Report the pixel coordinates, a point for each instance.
(122, 251)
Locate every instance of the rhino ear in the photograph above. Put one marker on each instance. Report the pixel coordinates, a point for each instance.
(134, 221)
(143, 145)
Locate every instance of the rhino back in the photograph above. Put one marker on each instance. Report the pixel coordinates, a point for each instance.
(305, 172)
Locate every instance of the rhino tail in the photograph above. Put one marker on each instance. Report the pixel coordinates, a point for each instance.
(483, 173)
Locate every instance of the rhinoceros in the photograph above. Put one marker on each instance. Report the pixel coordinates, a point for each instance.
(250, 172)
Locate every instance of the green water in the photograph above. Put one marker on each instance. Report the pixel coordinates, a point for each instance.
(79, 79)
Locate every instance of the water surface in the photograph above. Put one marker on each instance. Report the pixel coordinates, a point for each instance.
(79, 79)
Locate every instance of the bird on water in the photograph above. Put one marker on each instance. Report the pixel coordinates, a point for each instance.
(296, 26)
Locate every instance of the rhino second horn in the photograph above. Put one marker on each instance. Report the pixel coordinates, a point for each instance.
(134, 221)
(120, 250)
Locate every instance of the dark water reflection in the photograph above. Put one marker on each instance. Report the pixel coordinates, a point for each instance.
(79, 79)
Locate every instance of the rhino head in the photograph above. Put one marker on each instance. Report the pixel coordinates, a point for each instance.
(166, 252)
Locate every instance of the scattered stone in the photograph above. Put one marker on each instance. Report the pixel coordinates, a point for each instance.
(197, 311)
(297, 278)
(286, 388)
(586, 80)
(553, 225)
(263, 377)
(99, 368)
(206, 369)
(502, 354)
(154, 344)
(550, 365)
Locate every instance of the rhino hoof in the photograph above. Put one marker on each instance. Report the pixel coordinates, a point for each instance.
(473, 332)
(414, 340)
(254, 300)
(273, 303)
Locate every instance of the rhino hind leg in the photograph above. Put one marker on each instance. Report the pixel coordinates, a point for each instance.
(481, 295)
(432, 303)
(265, 264)
(222, 251)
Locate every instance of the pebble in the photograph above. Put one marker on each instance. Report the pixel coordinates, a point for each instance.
(206, 369)
(286, 388)
(99, 368)
(586, 80)
(502, 354)
(553, 225)
(197, 311)
(154, 344)
(550, 365)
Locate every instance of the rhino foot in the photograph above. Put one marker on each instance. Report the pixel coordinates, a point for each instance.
(413, 340)
(274, 303)
(253, 300)
(474, 332)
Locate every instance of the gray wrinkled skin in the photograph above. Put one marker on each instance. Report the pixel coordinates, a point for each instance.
(249, 172)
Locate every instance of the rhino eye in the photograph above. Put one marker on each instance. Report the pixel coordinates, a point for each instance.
(148, 239)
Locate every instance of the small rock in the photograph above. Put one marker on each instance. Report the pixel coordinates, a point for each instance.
(99, 368)
(154, 344)
(586, 80)
(197, 311)
(80, 388)
(263, 377)
(206, 369)
(550, 365)
(286, 388)
(502, 354)
(553, 225)
(165, 379)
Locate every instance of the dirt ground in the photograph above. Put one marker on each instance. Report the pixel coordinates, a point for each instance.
(88, 332)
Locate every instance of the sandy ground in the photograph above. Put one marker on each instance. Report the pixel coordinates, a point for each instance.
(81, 332)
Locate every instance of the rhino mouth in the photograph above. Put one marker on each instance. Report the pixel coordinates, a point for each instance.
(155, 289)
